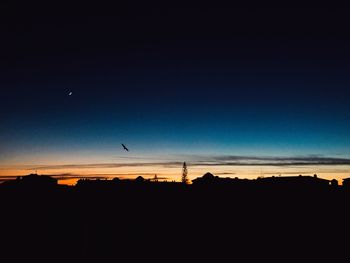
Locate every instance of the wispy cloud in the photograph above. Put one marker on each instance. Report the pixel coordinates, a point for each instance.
(271, 161)
(105, 165)
(202, 160)
(225, 173)
(106, 176)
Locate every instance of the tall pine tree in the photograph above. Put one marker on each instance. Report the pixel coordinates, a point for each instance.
(184, 178)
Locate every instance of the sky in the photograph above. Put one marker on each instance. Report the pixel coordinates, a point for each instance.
(236, 92)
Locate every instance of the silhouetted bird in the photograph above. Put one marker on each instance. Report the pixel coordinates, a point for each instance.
(126, 149)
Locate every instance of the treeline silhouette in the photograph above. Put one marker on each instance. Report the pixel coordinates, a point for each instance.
(296, 218)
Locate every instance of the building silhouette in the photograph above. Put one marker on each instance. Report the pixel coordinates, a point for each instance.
(346, 183)
(334, 183)
(210, 179)
(33, 180)
(295, 181)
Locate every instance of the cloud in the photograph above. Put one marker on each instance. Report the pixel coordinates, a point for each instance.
(225, 173)
(201, 160)
(106, 176)
(105, 165)
(233, 160)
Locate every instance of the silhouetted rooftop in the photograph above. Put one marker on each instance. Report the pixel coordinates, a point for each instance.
(210, 178)
(33, 180)
(300, 180)
(346, 182)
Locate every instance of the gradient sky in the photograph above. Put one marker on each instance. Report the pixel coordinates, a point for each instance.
(174, 85)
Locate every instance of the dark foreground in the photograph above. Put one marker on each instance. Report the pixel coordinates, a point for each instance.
(174, 223)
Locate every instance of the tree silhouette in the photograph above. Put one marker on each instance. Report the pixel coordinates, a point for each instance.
(184, 178)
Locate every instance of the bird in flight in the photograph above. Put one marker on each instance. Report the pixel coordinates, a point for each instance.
(126, 149)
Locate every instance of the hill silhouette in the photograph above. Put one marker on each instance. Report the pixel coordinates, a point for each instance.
(300, 218)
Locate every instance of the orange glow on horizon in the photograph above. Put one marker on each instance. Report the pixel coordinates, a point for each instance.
(70, 175)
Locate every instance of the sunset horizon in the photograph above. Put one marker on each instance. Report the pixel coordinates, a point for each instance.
(185, 134)
(169, 168)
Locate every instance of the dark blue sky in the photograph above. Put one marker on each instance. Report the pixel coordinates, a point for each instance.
(219, 81)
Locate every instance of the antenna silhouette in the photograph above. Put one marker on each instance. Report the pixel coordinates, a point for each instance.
(155, 178)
